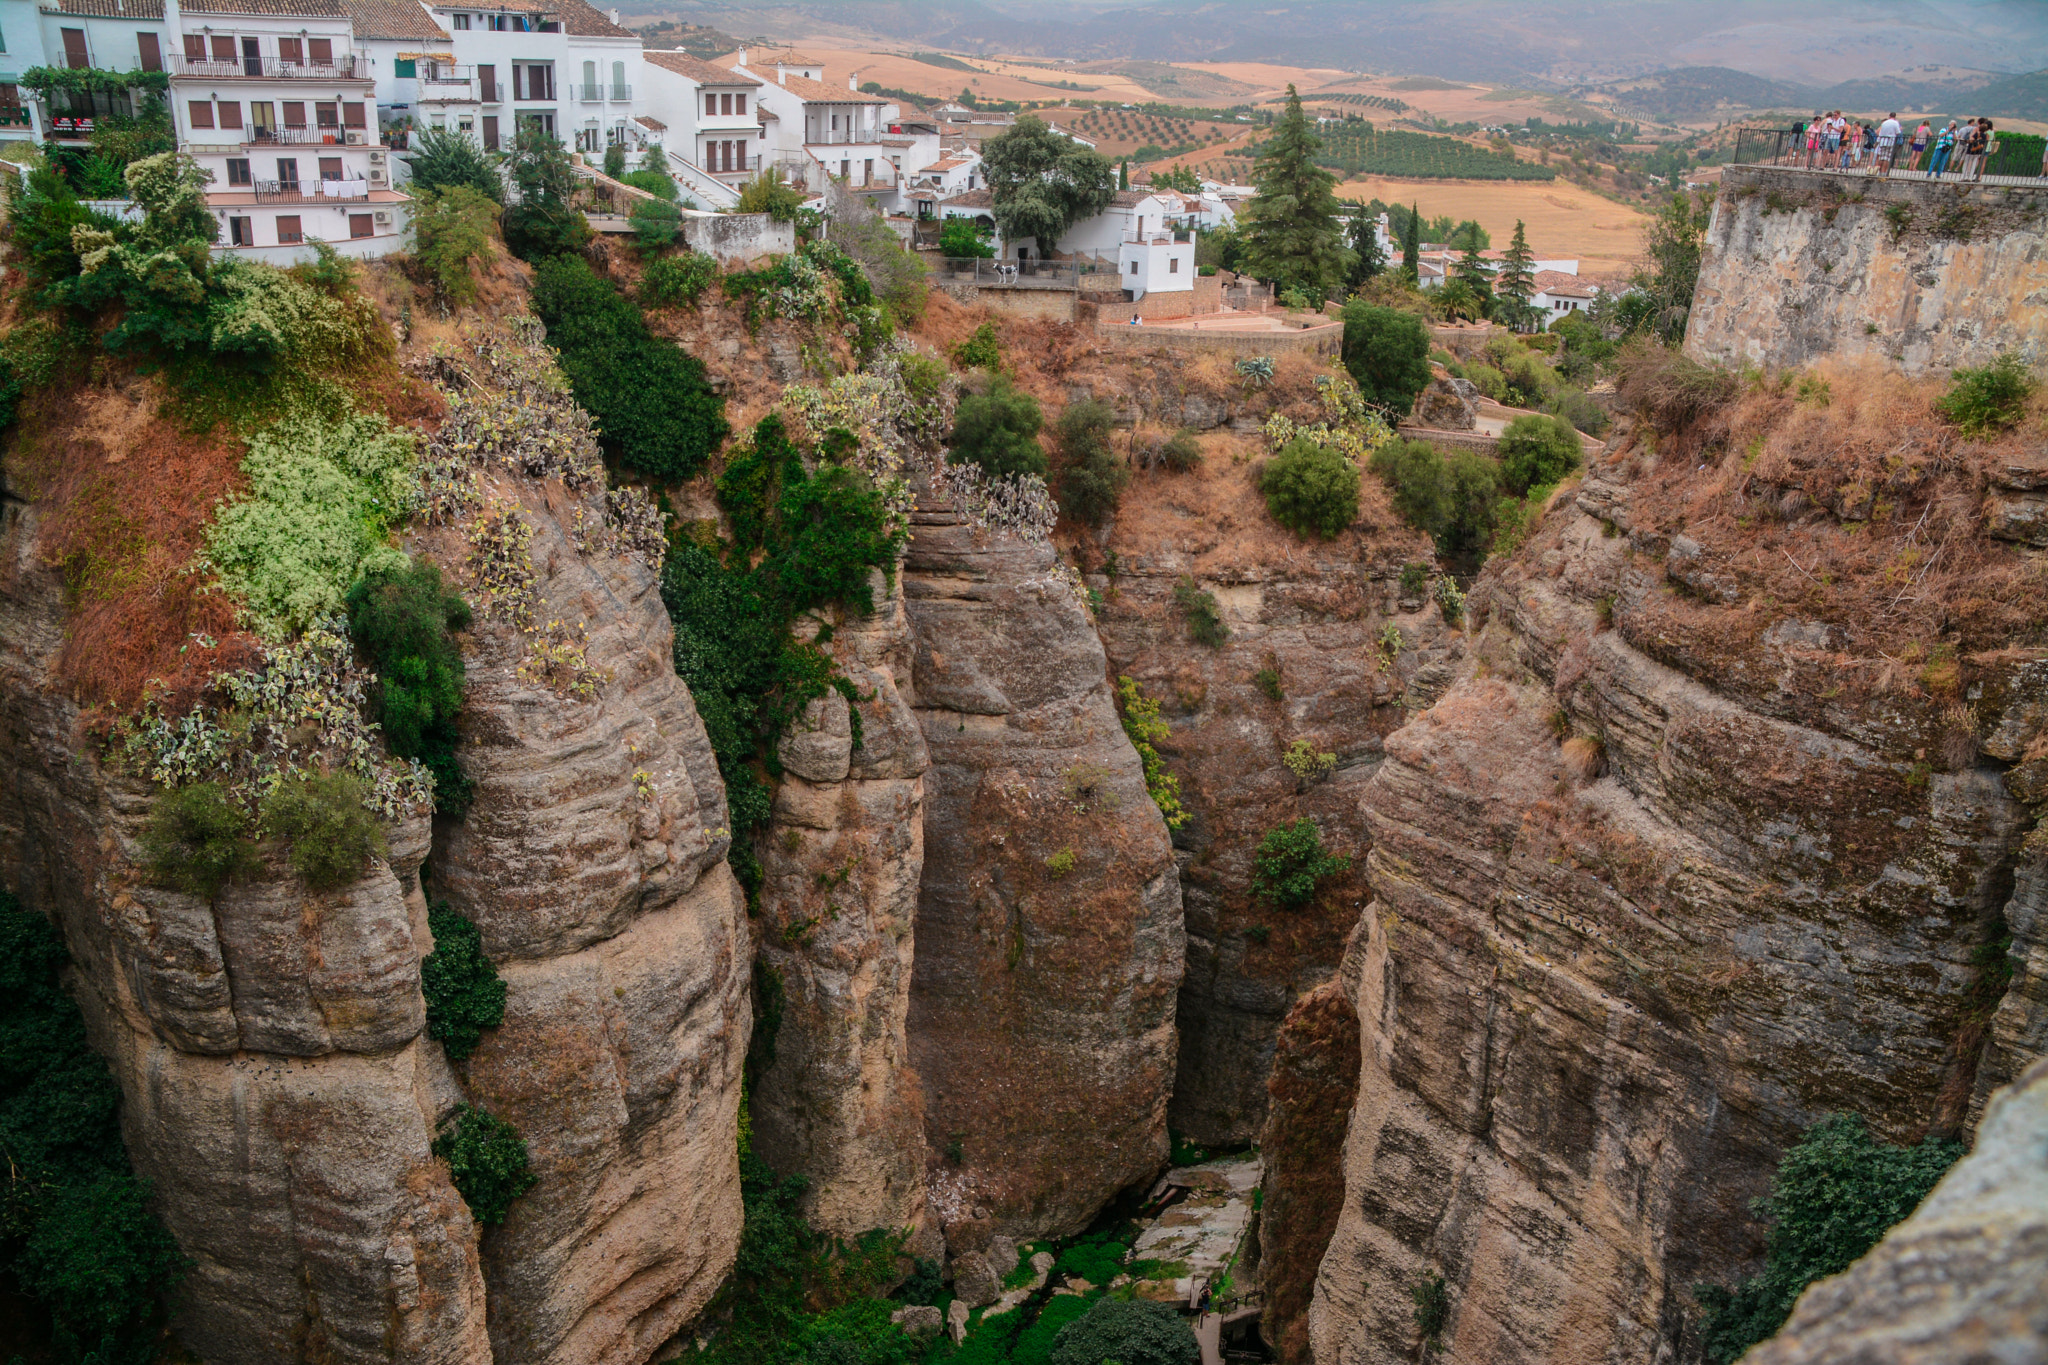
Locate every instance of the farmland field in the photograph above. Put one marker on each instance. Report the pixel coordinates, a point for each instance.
(1356, 148)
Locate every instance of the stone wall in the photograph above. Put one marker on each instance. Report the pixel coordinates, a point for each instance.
(1801, 266)
(1054, 304)
(1324, 340)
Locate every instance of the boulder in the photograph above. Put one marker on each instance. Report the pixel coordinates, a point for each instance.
(956, 1321)
(919, 1321)
(975, 1281)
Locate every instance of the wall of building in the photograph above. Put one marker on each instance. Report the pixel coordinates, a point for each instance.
(1922, 276)
(738, 236)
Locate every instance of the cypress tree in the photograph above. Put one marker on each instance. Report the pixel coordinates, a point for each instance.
(1367, 260)
(1411, 246)
(1516, 285)
(1292, 237)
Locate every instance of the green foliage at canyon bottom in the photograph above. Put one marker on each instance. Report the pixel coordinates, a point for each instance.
(79, 1239)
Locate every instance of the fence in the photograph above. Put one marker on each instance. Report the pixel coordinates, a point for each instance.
(992, 274)
(2013, 156)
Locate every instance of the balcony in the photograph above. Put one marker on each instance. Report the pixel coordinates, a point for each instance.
(14, 116)
(307, 137)
(295, 192)
(265, 69)
(600, 92)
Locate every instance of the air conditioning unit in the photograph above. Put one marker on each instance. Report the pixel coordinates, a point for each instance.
(376, 177)
(355, 139)
(384, 217)
(376, 158)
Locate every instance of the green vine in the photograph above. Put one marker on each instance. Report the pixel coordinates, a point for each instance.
(90, 80)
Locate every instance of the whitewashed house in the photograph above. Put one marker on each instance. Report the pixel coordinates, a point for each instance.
(273, 99)
(563, 68)
(1560, 292)
(815, 128)
(711, 123)
(107, 35)
(411, 61)
(22, 118)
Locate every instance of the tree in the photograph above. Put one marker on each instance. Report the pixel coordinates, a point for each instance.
(1123, 175)
(451, 227)
(615, 160)
(1092, 474)
(962, 238)
(1537, 451)
(1128, 1331)
(1387, 353)
(1310, 489)
(1834, 1195)
(998, 430)
(1517, 278)
(1411, 245)
(1366, 258)
(1468, 234)
(1471, 272)
(1292, 863)
(1291, 232)
(766, 193)
(1451, 498)
(1044, 182)
(444, 157)
(545, 221)
(1667, 277)
(1182, 178)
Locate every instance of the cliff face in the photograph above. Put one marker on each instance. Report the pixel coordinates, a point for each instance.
(1049, 939)
(1800, 267)
(839, 1101)
(1604, 982)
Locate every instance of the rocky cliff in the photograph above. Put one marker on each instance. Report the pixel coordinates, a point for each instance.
(1049, 938)
(1675, 867)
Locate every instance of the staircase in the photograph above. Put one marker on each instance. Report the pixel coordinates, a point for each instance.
(700, 185)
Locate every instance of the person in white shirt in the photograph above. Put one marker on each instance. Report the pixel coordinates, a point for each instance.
(1888, 134)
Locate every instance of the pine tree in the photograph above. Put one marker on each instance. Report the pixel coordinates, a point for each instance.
(1471, 272)
(1517, 272)
(1292, 237)
(1411, 246)
(1367, 259)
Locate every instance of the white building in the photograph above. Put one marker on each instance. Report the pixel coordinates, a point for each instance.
(711, 116)
(813, 127)
(1150, 237)
(21, 49)
(110, 35)
(564, 68)
(411, 59)
(955, 172)
(1559, 292)
(272, 97)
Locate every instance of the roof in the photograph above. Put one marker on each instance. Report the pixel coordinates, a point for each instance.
(974, 199)
(652, 124)
(394, 19)
(287, 9)
(108, 9)
(810, 91)
(576, 16)
(696, 69)
(951, 163)
(897, 142)
(787, 59)
(1559, 283)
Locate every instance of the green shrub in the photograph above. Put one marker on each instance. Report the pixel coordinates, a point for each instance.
(1536, 451)
(1452, 498)
(656, 183)
(1092, 475)
(1205, 623)
(81, 1241)
(1182, 452)
(1581, 411)
(1488, 381)
(1146, 731)
(1292, 862)
(1128, 1331)
(998, 430)
(677, 281)
(487, 1161)
(333, 835)
(1387, 352)
(403, 619)
(1432, 1307)
(962, 238)
(1034, 1345)
(198, 840)
(451, 228)
(444, 158)
(322, 496)
(1096, 1257)
(767, 193)
(615, 160)
(655, 412)
(980, 350)
(464, 993)
(1990, 399)
(1310, 489)
(545, 221)
(656, 224)
(1834, 1195)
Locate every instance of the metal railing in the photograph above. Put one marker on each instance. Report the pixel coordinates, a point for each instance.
(294, 192)
(263, 68)
(748, 166)
(1010, 274)
(1786, 148)
(301, 137)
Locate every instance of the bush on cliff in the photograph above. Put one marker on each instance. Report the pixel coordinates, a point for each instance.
(998, 430)
(1092, 475)
(1387, 353)
(1292, 863)
(1990, 399)
(80, 1238)
(404, 620)
(486, 1161)
(1310, 489)
(464, 993)
(198, 840)
(1130, 1332)
(655, 412)
(1837, 1191)
(333, 835)
(1535, 452)
(1451, 497)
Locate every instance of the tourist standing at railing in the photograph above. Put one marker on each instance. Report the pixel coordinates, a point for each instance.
(1813, 137)
(1944, 147)
(1976, 140)
(1888, 134)
(1918, 146)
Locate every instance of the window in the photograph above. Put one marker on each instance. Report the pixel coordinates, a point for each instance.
(1173, 265)
(252, 57)
(3, 42)
(540, 82)
(518, 81)
(292, 50)
(295, 115)
(489, 76)
(321, 50)
(462, 21)
(490, 132)
(330, 168)
(618, 80)
(223, 49)
(739, 104)
(201, 113)
(1134, 267)
(465, 123)
(725, 104)
(231, 115)
(288, 173)
(241, 232)
(710, 106)
(195, 47)
(739, 150)
(401, 67)
(263, 119)
(359, 225)
(147, 48)
(74, 49)
(288, 231)
(238, 170)
(352, 116)
(326, 114)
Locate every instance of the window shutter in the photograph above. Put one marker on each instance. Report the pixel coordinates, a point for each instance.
(201, 112)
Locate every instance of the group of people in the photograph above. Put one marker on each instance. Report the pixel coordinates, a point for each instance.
(1835, 142)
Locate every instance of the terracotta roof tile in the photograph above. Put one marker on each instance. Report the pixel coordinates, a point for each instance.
(692, 68)
(651, 124)
(973, 199)
(1559, 283)
(289, 9)
(585, 20)
(395, 19)
(817, 92)
(108, 9)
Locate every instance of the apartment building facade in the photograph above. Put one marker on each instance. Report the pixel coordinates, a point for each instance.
(565, 68)
(111, 35)
(711, 116)
(274, 99)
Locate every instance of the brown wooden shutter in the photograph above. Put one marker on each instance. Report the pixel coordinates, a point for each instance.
(74, 49)
(195, 47)
(231, 114)
(490, 132)
(295, 114)
(224, 50)
(291, 50)
(322, 50)
(202, 113)
(352, 116)
(489, 74)
(359, 225)
(150, 51)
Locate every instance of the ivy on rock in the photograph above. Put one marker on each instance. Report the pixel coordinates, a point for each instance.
(464, 993)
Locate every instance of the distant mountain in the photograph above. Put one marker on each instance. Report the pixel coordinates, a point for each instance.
(2014, 97)
(1695, 92)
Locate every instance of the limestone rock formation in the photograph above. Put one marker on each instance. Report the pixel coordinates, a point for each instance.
(1603, 982)
(839, 1100)
(1961, 1280)
(1048, 921)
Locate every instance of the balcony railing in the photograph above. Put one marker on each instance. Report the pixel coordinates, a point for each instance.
(600, 92)
(295, 192)
(304, 137)
(741, 167)
(264, 68)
